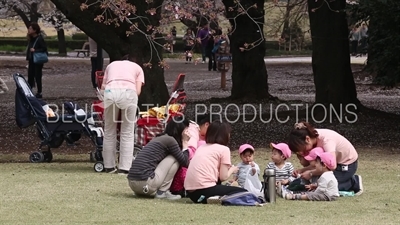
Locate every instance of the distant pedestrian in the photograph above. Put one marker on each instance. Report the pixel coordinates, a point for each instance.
(35, 70)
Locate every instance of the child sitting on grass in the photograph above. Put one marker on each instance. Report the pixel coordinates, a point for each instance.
(246, 153)
(300, 184)
(326, 188)
(283, 169)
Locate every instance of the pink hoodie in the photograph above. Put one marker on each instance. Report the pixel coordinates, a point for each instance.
(194, 143)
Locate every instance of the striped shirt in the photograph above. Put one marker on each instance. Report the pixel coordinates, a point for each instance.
(284, 173)
(152, 154)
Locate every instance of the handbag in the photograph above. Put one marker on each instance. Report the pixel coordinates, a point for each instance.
(253, 184)
(39, 57)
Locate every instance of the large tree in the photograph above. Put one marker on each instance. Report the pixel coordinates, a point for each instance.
(333, 77)
(121, 27)
(383, 18)
(249, 73)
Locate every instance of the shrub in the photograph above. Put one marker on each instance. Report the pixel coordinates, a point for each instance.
(79, 36)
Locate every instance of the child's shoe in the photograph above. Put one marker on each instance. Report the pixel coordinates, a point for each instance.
(214, 200)
(168, 196)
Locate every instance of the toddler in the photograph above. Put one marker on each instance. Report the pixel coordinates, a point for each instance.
(326, 188)
(246, 153)
(283, 169)
(300, 184)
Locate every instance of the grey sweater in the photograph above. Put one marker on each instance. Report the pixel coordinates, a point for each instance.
(153, 153)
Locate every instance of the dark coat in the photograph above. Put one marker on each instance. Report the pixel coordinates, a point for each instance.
(40, 46)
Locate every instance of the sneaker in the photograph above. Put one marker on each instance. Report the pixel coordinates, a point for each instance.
(361, 185)
(288, 196)
(214, 200)
(168, 196)
(285, 191)
(203, 61)
(39, 95)
(123, 172)
(110, 170)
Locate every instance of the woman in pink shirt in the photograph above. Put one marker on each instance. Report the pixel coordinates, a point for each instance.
(305, 137)
(211, 163)
(197, 132)
(122, 84)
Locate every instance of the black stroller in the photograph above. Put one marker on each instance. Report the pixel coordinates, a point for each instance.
(52, 128)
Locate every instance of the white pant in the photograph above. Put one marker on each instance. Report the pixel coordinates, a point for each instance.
(116, 101)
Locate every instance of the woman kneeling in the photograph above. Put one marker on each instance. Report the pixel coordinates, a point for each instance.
(211, 163)
(155, 166)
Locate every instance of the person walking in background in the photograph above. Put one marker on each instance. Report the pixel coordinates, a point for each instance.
(364, 37)
(212, 64)
(36, 43)
(202, 38)
(189, 40)
(173, 32)
(354, 40)
(93, 60)
(122, 84)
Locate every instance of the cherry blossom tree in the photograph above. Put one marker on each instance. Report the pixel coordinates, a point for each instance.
(286, 22)
(27, 10)
(33, 10)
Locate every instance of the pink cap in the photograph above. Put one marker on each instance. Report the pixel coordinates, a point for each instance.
(244, 147)
(312, 155)
(284, 148)
(328, 159)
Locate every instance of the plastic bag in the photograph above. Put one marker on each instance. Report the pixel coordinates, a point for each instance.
(253, 184)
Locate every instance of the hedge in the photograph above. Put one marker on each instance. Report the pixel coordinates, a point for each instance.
(77, 44)
(72, 44)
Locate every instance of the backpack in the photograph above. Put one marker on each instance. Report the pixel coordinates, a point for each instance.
(242, 199)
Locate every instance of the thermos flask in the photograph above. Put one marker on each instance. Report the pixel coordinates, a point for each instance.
(269, 185)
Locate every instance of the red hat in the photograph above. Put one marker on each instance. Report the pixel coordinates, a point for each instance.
(284, 148)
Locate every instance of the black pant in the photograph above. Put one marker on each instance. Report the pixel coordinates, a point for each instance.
(219, 190)
(187, 49)
(354, 46)
(212, 63)
(347, 180)
(35, 74)
(94, 62)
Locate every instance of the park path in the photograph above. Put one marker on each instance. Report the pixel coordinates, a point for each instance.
(268, 60)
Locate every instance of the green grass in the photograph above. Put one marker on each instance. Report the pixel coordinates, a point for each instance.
(68, 191)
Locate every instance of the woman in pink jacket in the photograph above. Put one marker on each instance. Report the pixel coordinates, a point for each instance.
(197, 132)
(305, 137)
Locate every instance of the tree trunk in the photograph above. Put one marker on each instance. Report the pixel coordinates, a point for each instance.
(116, 43)
(333, 78)
(249, 73)
(62, 46)
(23, 16)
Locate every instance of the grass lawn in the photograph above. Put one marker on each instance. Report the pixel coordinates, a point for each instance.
(68, 191)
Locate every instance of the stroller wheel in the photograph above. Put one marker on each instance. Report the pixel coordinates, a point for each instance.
(36, 157)
(48, 156)
(98, 167)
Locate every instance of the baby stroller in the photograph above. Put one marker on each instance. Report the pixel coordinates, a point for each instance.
(148, 125)
(52, 128)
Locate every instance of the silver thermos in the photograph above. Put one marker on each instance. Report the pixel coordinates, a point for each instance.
(269, 185)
